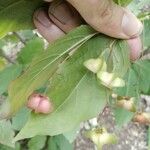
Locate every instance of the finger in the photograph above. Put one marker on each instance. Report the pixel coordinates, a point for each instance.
(64, 16)
(46, 27)
(108, 18)
(135, 45)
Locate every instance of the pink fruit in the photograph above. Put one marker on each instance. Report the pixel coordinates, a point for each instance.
(40, 103)
(34, 100)
(45, 107)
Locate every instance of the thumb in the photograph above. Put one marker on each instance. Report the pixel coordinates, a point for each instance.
(107, 17)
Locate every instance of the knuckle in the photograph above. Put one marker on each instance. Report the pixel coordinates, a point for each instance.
(106, 11)
(103, 13)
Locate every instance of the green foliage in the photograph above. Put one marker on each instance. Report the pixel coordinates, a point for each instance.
(16, 14)
(32, 48)
(59, 142)
(142, 70)
(2, 63)
(20, 119)
(7, 133)
(26, 34)
(37, 143)
(4, 147)
(58, 72)
(146, 34)
(43, 67)
(148, 137)
(120, 57)
(71, 135)
(122, 116)
(74, 86)
(7, 75)
(132, 86)
(122, 2)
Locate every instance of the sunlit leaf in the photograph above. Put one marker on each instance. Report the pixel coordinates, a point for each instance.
(31, 49)
(75, 93)
(44, 66)
(6, 133)
(17, 14)
(37, 143)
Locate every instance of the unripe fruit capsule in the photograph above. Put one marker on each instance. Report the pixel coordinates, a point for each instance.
(142, 118)
(127, 104)
(100, 137)
(95, 65)
(110, 80)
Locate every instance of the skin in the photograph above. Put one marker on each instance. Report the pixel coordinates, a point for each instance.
(103, 15)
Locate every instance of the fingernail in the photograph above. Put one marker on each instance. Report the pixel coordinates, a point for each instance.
(131, 26)
(61, 12)
(41, 16)
(135, 45)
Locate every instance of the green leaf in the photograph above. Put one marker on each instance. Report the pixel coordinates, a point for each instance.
(122, 116)
(136, 83)
(131, 88)
(7, 75)
(52, 145)
(136, 79)
(59, 142)
(149, 137)
(117, 58)
(71, 135)
(31, 49)
(44, 66)
(2, 43)
(2, 63)
(37, 143)
(121, 60)
(6, 133)
(75, 93)
(146, 34)
(79, 106)
(4, 147)
(16, 14)
(20, 119)
(26, 34)
(143, 73)
(123, 2)
(10, 38)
